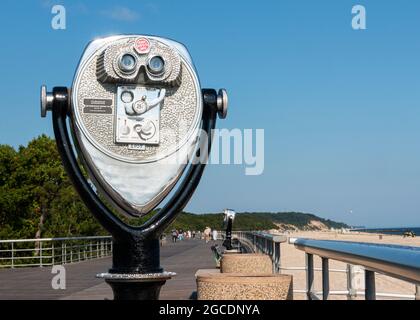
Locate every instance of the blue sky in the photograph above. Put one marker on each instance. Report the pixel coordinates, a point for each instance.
(340, 108)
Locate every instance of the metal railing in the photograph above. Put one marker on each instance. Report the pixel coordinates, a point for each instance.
(399, 262)
(260, 242)
(52, 251)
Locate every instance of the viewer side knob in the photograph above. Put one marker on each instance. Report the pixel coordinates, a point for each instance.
(222, 103)
(47, 99)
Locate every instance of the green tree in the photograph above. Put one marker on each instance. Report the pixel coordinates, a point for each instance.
(38, 200)
(36, 196)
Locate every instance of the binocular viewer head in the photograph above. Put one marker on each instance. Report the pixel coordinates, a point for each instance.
(229, 214)
(135, 113)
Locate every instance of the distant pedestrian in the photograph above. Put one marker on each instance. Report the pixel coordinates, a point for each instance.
(214, 235)
(174, 235)
(207, 232)
(193, 234)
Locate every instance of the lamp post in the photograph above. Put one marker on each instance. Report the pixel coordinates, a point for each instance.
(139, 121)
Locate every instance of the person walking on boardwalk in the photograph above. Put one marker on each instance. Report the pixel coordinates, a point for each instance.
(174, 235)
(207, 232)
(214, 235)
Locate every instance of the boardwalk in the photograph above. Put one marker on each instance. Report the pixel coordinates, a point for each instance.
(184, 258)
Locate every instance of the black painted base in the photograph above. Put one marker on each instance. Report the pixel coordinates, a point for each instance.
(136, 290)
(136, 254)
(136, 273)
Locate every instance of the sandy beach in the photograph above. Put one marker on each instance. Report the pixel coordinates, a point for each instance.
(291, 257)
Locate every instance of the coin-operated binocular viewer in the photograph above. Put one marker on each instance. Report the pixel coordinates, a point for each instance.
(229, 216)
(139, 121)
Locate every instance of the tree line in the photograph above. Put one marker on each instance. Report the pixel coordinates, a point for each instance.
(37, 200)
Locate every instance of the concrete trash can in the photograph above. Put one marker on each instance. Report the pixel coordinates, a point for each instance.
(222, 286)
(246, 263)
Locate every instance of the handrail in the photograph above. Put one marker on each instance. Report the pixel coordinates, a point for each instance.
(400, 262)
(396, 261)
(269, 236)
(55, 239)
(52, 251)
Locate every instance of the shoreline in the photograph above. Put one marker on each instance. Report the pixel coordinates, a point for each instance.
(329, 235)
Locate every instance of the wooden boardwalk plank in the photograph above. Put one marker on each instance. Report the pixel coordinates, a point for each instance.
(184, 258)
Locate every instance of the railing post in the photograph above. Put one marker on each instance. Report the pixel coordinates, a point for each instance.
(62, 252)
(52, 253)
(71, 253)
(13, 255)
(350, 276)
(278, 257)
(309, 275)
(40, 253)
(273, 256)
(325, 279)
(370, 290)
(258, 240)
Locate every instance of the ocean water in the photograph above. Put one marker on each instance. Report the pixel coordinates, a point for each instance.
(395, 231)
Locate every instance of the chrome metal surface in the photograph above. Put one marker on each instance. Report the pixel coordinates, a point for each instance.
(325, 279)
(222, 103)
(122, 63)
(229, 214)
(400, 262)
(133, 117)
(46, 101)
(156, 70)
(309, 275)
(137, 277)
(135, 166)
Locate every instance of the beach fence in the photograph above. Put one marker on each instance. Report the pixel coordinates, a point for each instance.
(52, 251)
(399, 262)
